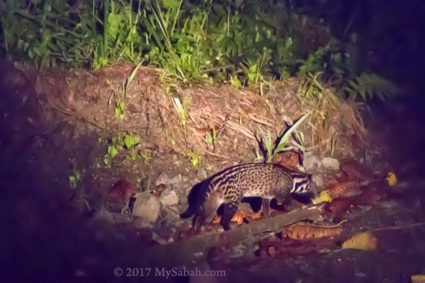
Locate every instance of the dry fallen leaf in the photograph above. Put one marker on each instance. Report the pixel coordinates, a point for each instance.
(324, 196)
(122, 190)
(158, 190)
(301, 232)
(365, 241)
(255, 215)
(238, 217)
(418, 278)
(338, 190)
(119, 195)
(391, 178)
(339, 206)
(202, 132)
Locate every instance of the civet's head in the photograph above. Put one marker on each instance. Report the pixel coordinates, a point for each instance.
(301, 183)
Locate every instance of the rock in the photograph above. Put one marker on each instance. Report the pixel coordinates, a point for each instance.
(311, 162)
(147, 207)
(318, 181)
(141, 224)
(169, 198)
(168, 179)
(165, 235)
(106, 216)
(330, 163)
(201, 174)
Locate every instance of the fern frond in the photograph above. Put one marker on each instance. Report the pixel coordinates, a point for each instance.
(368, 85)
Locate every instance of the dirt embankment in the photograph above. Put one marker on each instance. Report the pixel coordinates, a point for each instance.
(103, 126)
(171, 119)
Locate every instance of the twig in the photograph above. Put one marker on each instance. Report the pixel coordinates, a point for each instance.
(241, 130)
(260, 120)
(218, 68)
(400, 227)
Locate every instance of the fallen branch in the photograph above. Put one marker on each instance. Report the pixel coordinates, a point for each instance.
(197, 247)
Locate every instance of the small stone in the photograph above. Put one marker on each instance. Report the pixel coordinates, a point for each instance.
(318, 181)
(201, 174)
(147, 207)
(168, 179)
(311, 162)
(330, 163)
(111, 218)
(140, 223)
(104, 215)
(169, 198)
(163, 238)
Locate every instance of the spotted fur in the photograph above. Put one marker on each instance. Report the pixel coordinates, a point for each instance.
(229, 186)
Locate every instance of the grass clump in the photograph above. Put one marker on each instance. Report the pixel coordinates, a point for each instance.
(284, 140)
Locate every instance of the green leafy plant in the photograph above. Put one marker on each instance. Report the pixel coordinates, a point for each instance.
(211, 138)
(121, 37)
(74, 178)
(321, 103)
(120, 96)
(128, 143)
(195, 159)
(253, 70)
(131, 141)
(235, 82)
(244, 42)
(76, 184)
(267, 141)
(368, 85)
(112, 152)
(181, 43)
(282, 143)
(119, 109)
(181, 109)
(312, 89)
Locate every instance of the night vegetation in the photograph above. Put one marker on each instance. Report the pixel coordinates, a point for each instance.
(246, 43)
